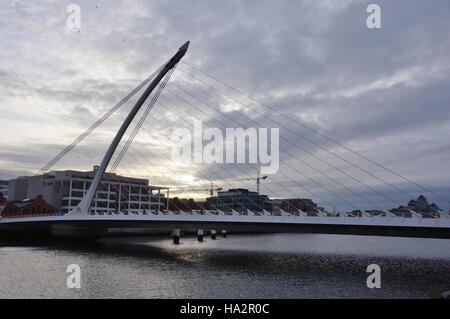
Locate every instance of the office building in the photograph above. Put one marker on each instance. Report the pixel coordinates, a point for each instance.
(293, 205)
(65, 189)
(4, 186)
(240, 200)
(420, 206)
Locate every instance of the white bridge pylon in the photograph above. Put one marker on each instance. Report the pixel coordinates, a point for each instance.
(83, 207)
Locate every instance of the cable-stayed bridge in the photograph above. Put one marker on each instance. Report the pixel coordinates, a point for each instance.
(319, 174)
(166, 223)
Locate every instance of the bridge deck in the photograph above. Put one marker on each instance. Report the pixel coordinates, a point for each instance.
(316, 220)
(115, 225)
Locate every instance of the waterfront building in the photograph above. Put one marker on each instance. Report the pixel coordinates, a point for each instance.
(420, 206)
(65, 189)
(27, 207)
(3, 202)
(4, 186)
(293, 205)
(239, 200)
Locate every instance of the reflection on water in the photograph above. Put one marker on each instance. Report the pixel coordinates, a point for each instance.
(258, 266)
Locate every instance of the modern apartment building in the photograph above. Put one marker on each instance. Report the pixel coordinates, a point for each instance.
(65, 189)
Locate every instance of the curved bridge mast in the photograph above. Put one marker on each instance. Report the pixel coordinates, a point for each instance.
(83, 207)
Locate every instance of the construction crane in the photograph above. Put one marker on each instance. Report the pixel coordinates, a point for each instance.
(210, 190)
(258, 180)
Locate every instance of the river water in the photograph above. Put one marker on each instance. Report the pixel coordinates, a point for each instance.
(240, 266)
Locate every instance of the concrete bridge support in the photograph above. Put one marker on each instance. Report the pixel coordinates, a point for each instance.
(176, 234)
(200, 234)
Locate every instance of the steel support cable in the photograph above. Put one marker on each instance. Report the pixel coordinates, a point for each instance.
(212, 171)
(141, 120)
(80, 138)
(312, 154)
(168, 168)
(288, 165)
(298, 184)
(325, 137)
(287, 152)
(136, 128)
(139, 124)
(295, 182)
(292, 143)
(204, 176)
(92, 128)
(315, 196)
(144, 167)
(116, 188)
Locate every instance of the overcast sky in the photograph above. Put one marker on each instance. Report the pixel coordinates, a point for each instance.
(382, 92)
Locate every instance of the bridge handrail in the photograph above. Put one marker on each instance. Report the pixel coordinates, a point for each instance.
(402, 219)
(31, 216)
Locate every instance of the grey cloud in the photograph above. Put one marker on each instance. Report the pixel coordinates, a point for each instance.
(383, 92)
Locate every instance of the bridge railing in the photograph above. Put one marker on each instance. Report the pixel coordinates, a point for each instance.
(256, 215)
(31, 216)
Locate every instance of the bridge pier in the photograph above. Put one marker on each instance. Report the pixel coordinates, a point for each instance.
(213, 234)
(200, 234)
(176, 234)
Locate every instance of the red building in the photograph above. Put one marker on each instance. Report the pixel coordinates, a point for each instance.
(28, 207)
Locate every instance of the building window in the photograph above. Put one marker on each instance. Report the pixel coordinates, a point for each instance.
(77, 184)
(102, 204)
(75, 202)
(77, 194)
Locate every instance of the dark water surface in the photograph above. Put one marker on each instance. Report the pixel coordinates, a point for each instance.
(256, 266)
